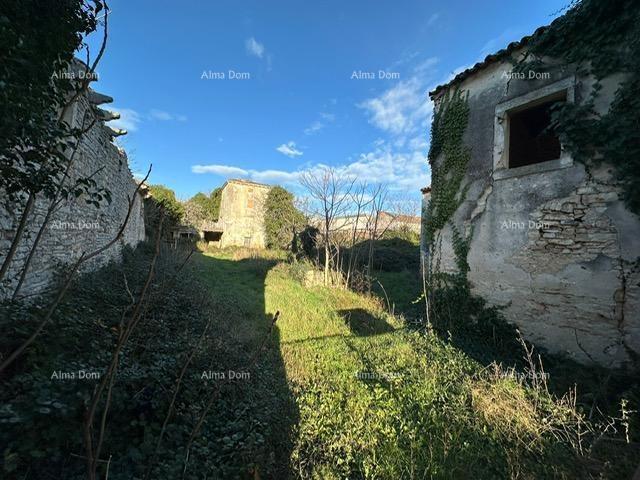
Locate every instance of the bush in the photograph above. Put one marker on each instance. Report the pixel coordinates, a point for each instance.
(42, 417)
(281, 218)
(166, 198)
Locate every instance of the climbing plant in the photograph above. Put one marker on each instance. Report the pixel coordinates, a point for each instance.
(448, 127)
(598, 39)
(37, 43)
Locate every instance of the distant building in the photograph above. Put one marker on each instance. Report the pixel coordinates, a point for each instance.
(385, 222)
(241, 218)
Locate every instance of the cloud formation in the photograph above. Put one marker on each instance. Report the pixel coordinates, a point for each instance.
(163, 116)
(401, 171)
(403, 110)
(129, 119)
(289, 149)
(253, 47)
(317, 125)
(433, 19)
(399, 159)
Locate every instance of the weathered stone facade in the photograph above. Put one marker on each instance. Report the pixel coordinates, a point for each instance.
(552, 241)
(76, 226)
(241, 217)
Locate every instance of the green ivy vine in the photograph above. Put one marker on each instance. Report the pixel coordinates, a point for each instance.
(598, 39)
(447, 129)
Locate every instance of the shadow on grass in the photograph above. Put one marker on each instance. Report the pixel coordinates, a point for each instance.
(363, 324)
(238, 287)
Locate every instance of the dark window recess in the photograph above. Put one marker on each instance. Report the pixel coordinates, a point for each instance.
(530, 138)
(212, 236)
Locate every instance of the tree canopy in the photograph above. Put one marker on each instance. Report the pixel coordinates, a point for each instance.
(282, 219)
(166, 197)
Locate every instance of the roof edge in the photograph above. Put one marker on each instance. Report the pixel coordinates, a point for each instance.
(489, 60)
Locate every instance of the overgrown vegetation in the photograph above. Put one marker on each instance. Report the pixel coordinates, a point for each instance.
(602, 40)
(465, 320)
(448, 127)
(341, 388)
(282, 220)
(38, 42)
(184, 333)
(39, 82)
(166, 198)
(203, 208)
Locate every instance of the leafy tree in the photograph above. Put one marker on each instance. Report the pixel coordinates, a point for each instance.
(282, 219)
(209, 205)
(166, 197)
(202, 207)
(215, 198)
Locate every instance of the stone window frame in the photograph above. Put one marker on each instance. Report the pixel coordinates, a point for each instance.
(501, 168)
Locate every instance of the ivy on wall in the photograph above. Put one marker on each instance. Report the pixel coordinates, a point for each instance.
(598, 39)
(448, 127)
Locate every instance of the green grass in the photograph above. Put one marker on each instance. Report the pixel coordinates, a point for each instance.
(373, 400)
(341, 390)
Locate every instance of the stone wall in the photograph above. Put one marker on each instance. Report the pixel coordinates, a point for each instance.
(551, 242)
(242, 214)
(76, 226)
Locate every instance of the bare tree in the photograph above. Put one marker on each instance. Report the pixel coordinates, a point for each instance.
(330, 192)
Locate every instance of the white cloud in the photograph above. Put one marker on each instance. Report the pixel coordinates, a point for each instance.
(222, 170)
(264, 176)
(160, 115)
(254, 47)
(403, 172)
(400, 110)
(433, 19)
(163, 116)
(289, 149)
(316, 126)
(129, 119)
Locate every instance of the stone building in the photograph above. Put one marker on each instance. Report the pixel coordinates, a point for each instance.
(364, 223)
(76, 227)
(241, 218)
(550, 241)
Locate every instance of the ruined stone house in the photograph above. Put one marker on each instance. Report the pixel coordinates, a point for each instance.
(551, 242)
(76, 226)
(241, 218)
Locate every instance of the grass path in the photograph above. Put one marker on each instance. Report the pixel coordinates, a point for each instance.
(372, 400)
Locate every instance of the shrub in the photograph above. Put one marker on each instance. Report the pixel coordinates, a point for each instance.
(281, 218)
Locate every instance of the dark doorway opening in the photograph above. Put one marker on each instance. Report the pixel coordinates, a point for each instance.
(531, 136)
(212, 236)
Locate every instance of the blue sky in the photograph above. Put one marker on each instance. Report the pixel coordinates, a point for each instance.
(302, 106)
